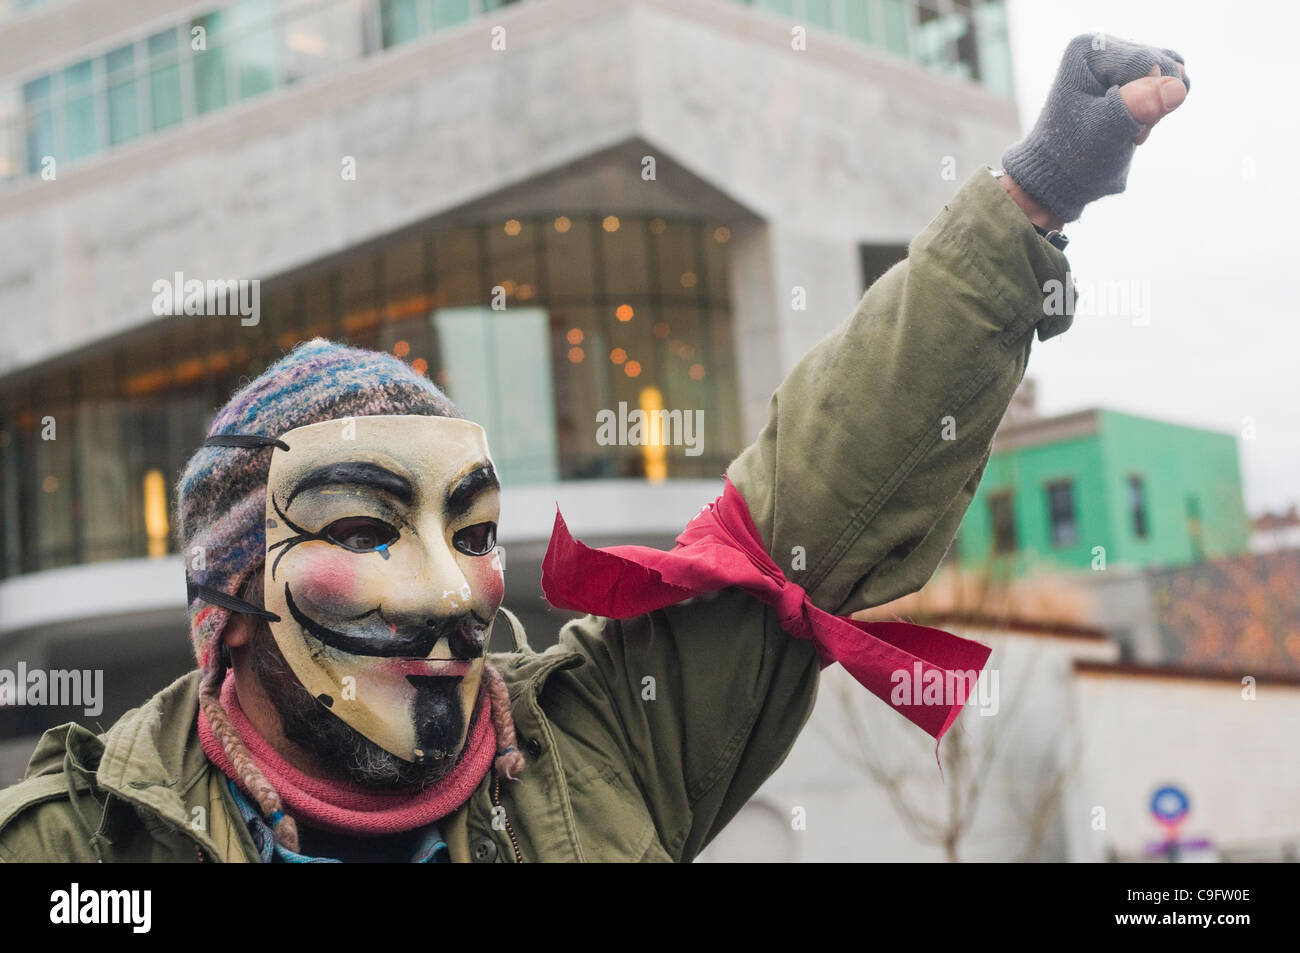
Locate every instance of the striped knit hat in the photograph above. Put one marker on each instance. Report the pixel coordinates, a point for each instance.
(221, 496)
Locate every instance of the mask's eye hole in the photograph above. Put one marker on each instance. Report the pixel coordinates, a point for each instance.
(477, 540)
(361, 534)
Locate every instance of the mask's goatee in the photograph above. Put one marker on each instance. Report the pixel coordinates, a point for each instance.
(438, 717)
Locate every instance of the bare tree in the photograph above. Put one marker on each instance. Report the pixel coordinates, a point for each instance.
(888, 750)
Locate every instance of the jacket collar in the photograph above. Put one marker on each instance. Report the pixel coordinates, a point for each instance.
(151, 758)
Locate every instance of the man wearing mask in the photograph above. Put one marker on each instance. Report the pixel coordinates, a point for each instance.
(339, 531)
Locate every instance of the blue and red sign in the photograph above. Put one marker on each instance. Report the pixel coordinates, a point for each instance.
(1170, 805)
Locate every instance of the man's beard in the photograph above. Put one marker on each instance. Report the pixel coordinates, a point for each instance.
(337, 745)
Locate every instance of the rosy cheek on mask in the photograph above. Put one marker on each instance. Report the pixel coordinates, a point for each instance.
(327, 581)
(488, 582)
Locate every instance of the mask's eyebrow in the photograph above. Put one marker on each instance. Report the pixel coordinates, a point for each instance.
(470, 485)
(356, 473)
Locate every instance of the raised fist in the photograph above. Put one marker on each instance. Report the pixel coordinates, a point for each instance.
(1107, 95)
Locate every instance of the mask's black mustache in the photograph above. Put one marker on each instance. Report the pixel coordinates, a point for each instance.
(406, 642)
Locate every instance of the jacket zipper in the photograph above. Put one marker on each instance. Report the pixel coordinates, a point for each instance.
(510, 831)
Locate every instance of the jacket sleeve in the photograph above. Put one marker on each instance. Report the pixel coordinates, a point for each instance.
(874, 447)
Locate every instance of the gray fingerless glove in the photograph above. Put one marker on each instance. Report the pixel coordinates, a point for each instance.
(1082, 144)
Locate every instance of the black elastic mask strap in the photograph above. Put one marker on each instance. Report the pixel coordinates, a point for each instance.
(225, 601)
(250, 441)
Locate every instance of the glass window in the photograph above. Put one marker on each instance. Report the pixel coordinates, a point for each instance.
(458, 262)
(936, 43)
(512, 247)
(80, 133)
(623, 253)
(578, 340)
(57, 501)
(11, 456)
(1003, 518)
(1195, 529)
(449, 12)
(208, 63)
(40, 121)
(252, 48)
(538, 375)
(164, 80)
(401, 265)
(569, 258)
(499, 375)
(675, 259)
(399, 21)
(896, 21)
(857, 20)
(122, 95)
(818, 13)
(713, 242)
(319, 305)
(993, 48)
(1060, 505)
(1137, 506)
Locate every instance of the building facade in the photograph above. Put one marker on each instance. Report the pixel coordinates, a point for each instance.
(553, 208)
(1098, 490)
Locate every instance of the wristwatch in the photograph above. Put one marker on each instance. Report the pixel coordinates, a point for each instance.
(1054, 236)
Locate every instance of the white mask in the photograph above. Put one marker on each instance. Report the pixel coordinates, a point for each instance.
(381, 563)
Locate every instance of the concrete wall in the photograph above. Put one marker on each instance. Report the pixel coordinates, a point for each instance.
(829, 146)
(1235, 759)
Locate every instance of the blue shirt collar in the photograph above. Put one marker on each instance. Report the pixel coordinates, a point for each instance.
(431, 848)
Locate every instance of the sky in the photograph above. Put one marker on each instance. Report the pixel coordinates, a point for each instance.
(1209, 226)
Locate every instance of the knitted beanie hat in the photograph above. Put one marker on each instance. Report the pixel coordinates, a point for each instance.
(221, 496)
(221, 502)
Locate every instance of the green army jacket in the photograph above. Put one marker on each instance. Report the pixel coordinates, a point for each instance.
(852, 467)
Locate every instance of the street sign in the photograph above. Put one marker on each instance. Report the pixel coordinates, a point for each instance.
(1170, 805)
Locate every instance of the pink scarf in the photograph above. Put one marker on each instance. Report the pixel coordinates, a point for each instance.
(344, 807)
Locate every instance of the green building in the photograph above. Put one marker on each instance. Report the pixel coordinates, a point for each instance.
(1149, 493)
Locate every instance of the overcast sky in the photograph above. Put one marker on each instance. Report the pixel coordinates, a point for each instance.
(1211, 219)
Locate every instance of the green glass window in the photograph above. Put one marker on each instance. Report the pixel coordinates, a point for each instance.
(818, 13)
(209, 64)
(164, 80)
(81, 135)
(40, 121)
(122, 96)
(857, 20)
(399, 21)
(993, 48)
(500, 375)
(897, 26)
(253, 48)
(449, 13)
